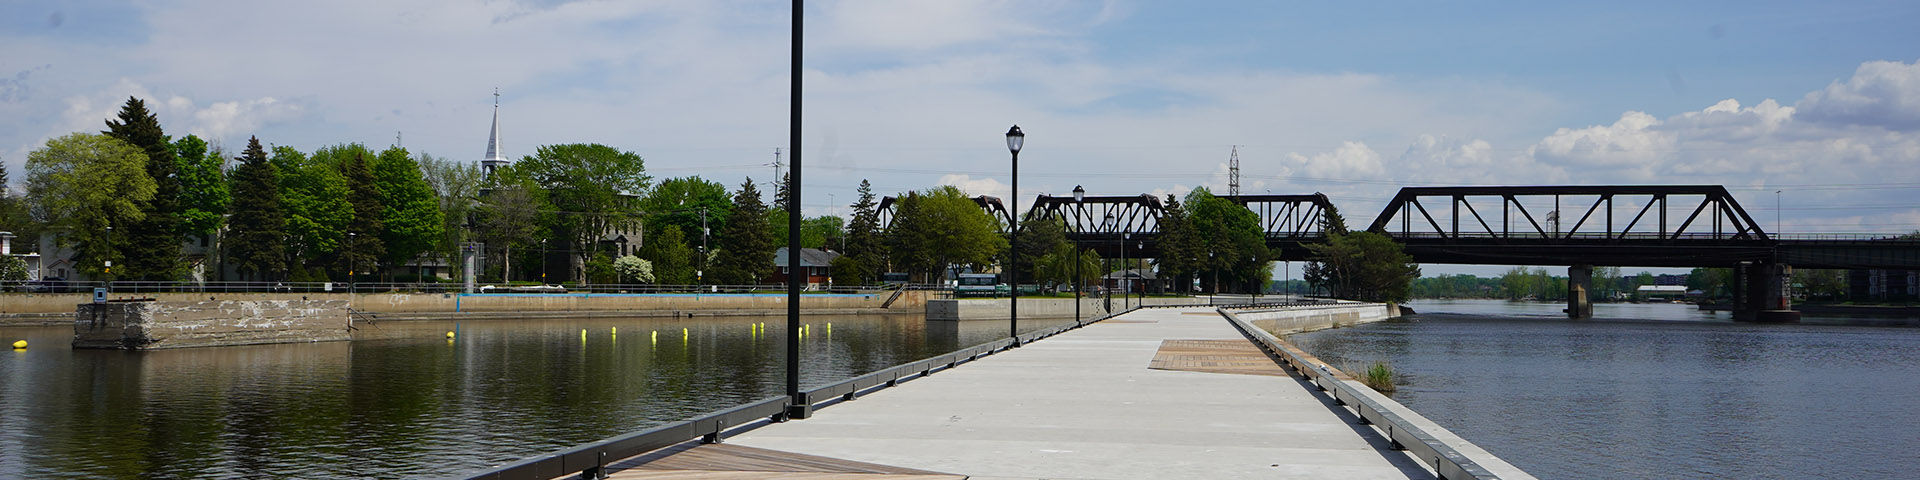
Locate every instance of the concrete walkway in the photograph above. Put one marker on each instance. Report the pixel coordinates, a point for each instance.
(1084, 405)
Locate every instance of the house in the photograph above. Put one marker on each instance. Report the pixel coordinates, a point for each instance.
(1135, 281)
(816, 263)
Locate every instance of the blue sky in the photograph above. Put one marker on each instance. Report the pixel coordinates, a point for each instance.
(1818, 100)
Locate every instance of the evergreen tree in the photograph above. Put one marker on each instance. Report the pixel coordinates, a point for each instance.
(152, 244)
(781, 192)
(674, 263)
(362, 248)
(863, 233)
(746, 247)
(258, 228)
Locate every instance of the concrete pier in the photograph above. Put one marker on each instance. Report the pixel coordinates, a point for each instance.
(1579, 283)
(1086, 404)
(147, 325)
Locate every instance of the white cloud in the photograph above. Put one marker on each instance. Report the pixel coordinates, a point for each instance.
(976, 187)
(1880, 94)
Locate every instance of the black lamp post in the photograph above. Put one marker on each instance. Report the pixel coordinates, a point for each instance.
(1015, 139)
(1079, 195)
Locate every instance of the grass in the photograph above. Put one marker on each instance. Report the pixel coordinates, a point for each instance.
(1379, 376)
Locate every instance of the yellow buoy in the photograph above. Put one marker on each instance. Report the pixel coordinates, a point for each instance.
(20, 344)
(616, 330)
(449, 334)
(583, 335)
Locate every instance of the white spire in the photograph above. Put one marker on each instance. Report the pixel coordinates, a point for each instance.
(495, 158)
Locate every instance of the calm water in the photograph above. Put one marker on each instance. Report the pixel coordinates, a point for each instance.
(403, 401)
(1654, 391)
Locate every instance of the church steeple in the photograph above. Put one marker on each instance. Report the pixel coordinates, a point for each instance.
(495, 157)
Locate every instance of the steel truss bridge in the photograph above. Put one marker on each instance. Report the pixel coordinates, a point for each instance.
(1642, 226)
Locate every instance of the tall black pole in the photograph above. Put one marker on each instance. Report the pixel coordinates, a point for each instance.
(796, 408)
(1013, 266)
(1076, 279)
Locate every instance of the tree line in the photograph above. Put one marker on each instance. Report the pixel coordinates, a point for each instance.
(131, 203)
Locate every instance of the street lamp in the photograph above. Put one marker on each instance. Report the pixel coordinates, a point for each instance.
(352, 266)
(107, 256)
(1079, 196)
(1126, 271)
(1015, 139)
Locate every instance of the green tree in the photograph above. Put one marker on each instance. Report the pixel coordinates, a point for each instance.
(1365, 266)
(746, 247)
(683, 202)
(13, 269)
(16, 217)
(850, 271)
(363, 247)
(864, 242)
(821, 232)
(258, 226)
(152, 243)
(942, 228)
(204, 191)
(456, 187)
(1712, 282)
(1232, 244)
(84, 184)
(511, 215)
(408, 208)
(1037, 240)
(1181, 251)
(593, 184)
(315, 197)
(674, 263)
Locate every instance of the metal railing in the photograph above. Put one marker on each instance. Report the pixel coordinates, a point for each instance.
(1446, 461)
(590, 460)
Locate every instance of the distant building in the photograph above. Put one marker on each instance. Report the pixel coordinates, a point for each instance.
(1669, 279)
(1661, 292)
(1132, 281)
(1883, 284)
(816, 264)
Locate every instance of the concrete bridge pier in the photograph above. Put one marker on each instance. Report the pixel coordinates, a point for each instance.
(1579, 282)
(1763, 292)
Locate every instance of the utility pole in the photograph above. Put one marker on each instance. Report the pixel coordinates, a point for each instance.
(1233, 172)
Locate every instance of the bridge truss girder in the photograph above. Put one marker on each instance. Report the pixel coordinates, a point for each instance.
(1715, 230)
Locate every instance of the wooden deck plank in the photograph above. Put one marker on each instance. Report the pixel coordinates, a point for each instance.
(1238, 357)
(693, 460)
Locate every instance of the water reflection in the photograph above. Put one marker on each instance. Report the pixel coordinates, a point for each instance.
(404, 401)
(1652, 390)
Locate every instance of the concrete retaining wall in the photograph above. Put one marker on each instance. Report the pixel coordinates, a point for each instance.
(996, 308)
(424, 303)
(153, 325)
(1282, 321)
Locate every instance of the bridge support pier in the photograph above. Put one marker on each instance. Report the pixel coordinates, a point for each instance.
(1579, 282)
(1763, 292)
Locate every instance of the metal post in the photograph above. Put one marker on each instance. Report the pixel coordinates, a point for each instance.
(1013, 265)
(795, 405)
(1126, 284)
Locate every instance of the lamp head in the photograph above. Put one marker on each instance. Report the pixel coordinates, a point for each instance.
(1079, 194)
(1015, 139)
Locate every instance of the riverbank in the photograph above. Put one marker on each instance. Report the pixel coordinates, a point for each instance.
(57, 309)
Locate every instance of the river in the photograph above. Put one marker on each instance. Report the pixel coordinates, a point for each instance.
(403, 401)
(1654, 390)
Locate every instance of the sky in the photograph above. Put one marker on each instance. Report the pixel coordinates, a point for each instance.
(1818, 101)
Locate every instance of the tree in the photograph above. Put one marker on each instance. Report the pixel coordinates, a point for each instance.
(593, 184)
(746, 247)
(315, 196)
(204, 191)
(456, 186)
(151, 243)
(674, 262)
(82, 185)
(686, 203)
(13, 269)
(1232, 244)
(633, 270)
(863, 236)
(363, 247)
(510, 215)
(1181, 251)
(849, 270)
(258, 225)
(1364, 266)
(942, 228)
(408, 208)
